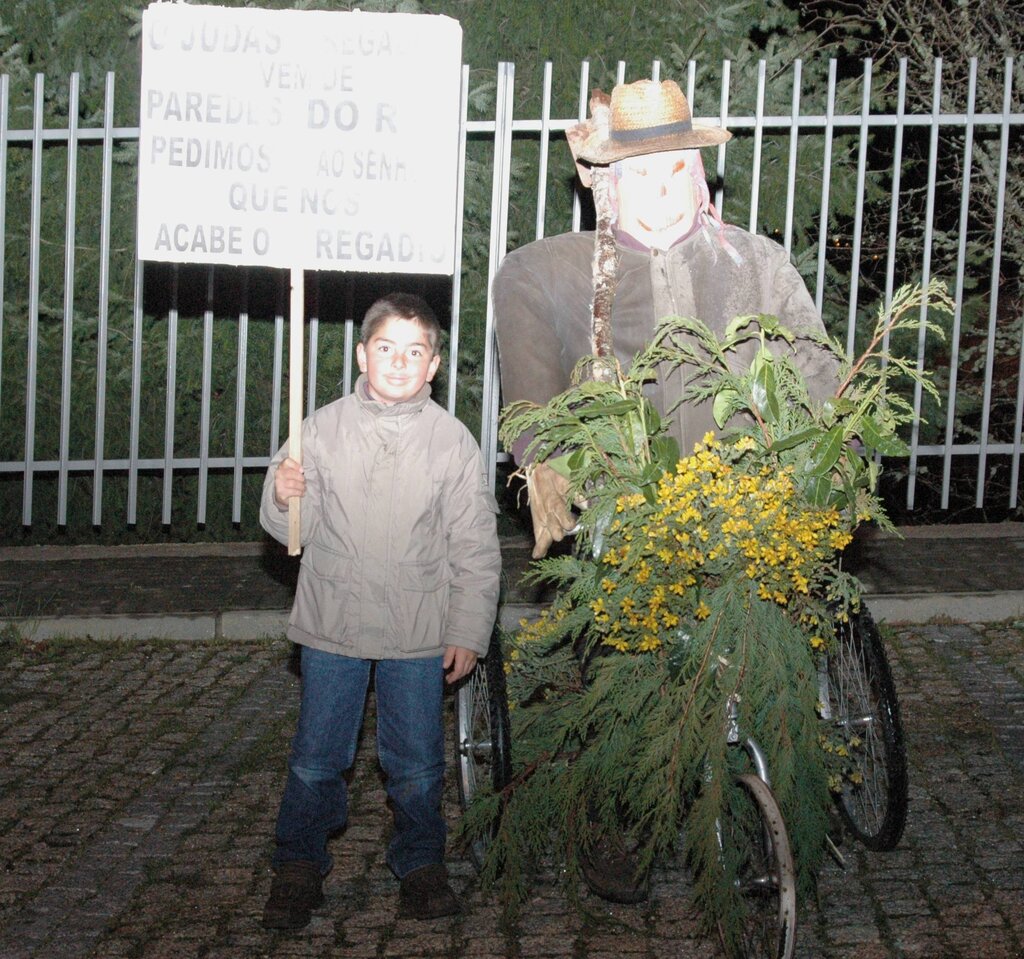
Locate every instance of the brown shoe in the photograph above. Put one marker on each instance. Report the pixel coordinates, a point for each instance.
(425, 894)
(610, 871)
(296, 891)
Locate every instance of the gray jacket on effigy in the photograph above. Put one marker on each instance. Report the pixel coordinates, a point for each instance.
(543, 293)
(400, 547)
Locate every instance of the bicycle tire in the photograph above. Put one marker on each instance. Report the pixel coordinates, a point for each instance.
(861, 699)
(766, 875)
(483, 741)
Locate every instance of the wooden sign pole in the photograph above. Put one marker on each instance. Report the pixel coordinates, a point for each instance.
(295, 329)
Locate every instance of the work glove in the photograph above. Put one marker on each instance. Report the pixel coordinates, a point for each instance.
(548, 493)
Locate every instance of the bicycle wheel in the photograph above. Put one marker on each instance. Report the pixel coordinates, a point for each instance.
(483, 754)
(753, 834)
(861, 701)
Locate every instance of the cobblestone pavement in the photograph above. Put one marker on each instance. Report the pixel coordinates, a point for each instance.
(139, 781)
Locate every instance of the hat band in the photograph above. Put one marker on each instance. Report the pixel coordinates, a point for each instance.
(644, 133)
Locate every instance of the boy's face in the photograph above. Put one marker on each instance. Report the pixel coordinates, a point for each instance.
(397, 361)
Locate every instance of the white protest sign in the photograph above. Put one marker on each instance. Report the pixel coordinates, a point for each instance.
(287, 138)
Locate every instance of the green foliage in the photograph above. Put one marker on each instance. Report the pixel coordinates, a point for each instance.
(700, 588)
(832, 447)
(641, 750)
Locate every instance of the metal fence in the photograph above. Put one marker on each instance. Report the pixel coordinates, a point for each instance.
(867, 148)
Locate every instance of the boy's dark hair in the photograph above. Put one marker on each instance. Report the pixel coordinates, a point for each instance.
(405, 306)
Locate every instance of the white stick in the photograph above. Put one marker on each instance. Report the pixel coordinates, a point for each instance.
(295, 330)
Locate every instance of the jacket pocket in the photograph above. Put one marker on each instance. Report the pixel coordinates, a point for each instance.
(323, 598)
(422, 604)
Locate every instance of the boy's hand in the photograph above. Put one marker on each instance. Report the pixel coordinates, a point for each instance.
(458, 662)
(289, 481)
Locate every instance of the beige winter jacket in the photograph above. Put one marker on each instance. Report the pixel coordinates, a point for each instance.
(400, 548)
(543, 292)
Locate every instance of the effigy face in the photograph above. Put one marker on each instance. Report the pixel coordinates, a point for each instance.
(658, 198)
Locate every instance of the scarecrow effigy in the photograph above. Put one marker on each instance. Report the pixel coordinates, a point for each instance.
(660, 250)
(671, 376)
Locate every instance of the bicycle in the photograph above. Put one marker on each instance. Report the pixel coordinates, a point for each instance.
(858, 698)
(751, 835)
(766, 875)
(483, 740)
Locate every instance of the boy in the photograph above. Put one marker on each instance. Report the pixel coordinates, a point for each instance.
(400, 569)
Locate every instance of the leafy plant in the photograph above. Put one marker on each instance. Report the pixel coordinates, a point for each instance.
(698, 583)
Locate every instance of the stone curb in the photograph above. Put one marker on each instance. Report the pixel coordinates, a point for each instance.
(957, 607)
(261, 624)
(57, 553)
(234, 625)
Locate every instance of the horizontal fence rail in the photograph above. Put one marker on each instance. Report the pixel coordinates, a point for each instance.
(122, 377)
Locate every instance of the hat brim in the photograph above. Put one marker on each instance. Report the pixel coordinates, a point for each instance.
(602, 150)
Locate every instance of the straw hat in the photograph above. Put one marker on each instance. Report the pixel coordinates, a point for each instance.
(642, 117)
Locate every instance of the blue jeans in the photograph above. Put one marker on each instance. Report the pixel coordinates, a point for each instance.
(410, 745)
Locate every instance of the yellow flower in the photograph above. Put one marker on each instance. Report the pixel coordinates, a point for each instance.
(620, 644)
(648, 643)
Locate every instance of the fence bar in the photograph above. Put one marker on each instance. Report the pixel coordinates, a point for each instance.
(192, 463)
(755, 178)
(69, 302)
(961, 256)
(169, 396)
(350, 308)
(275, 406)
(499, 242)
(460, 207)
(1018, 422)
(526, 125)
(32, 351)
(808, 121)
(926, 273)
(313, 349)
(858, 217)
(993, 300)
(581, 114)
(723, 120)
(240, 384)
(545, 144)
(85, 134)
(826, 182)
(4, 102)
(794, 137)
(205, 401)
(136, 397)
(894, 202)
(737, 121)
(103, 316)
